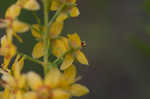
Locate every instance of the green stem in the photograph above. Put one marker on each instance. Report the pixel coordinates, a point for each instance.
(30, 58)
(60, 58)
(64, 54)
(56, 14)
(45, 37)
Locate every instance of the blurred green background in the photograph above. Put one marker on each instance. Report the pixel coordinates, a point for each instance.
(117, 33)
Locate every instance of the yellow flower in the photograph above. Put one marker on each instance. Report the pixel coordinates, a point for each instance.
(39, 46)
(14, 82)
(70, 8)
(54, 32)
(8, 50)
(60, 46)
(38, 50)
(13, 11)
(74, 12)
(19, 26)
(56, 29)
(56, 85)
(29, 4)
(13, 27)
(75, 44)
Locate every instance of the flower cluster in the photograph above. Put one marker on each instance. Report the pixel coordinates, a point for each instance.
(60, 74)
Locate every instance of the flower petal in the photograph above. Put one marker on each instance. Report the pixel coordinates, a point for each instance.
(74, 12)
(35, 33)
(30, 95)
(56, 29)
(52, 78)
(9, 80)
(32, 5)
(38, 50)
(55, 5)
(75, 40)
(61, 17)
(20, 27)
(59, 48)
(81, 57)
(19, 95)
(70, 74)
(60, 94)
(13, 11)
(68, 60)
(78, 90)
(34, 80)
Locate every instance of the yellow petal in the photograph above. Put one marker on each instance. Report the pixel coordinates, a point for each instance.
(54, 5)
(68, 60)
(74, 12)
(60, 94)
(22, 81)
(70, 74)
(72, 1)
(52, 78)
(78, 90)
(34, 80)
(65, 41)
(8, 50)
(62, 17)
(6, 93)
(9, 79)
(35, 31)
(32, 5)
(58, 48)
(38, 50)
(18, 37)
(13, 11)
(30, 95)
(56, 29)
(81, 57)
(75, 40)
(17, 67)
(1, 94)
(19, 26)
(19, 95)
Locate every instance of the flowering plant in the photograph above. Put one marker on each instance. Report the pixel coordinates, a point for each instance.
(60, 75)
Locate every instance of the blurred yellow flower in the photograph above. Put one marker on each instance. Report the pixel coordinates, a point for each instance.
(8, 50)
(56, 85)
(29, 4)
(70, 8)
(14, 82)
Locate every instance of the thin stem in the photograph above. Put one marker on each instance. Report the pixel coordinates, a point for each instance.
(30, 58)
(46, 37)
(56, 14)
(64, 54)
(60, 58)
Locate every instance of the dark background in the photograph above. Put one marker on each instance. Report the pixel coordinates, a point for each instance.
(118, 47)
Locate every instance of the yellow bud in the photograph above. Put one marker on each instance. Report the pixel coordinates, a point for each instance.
(38, 50)
(74, 12)
(75, 40)
(54, 5)
(79, 90)
(56, 29)
(62, 17)
(68, 60)
(81, 57)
